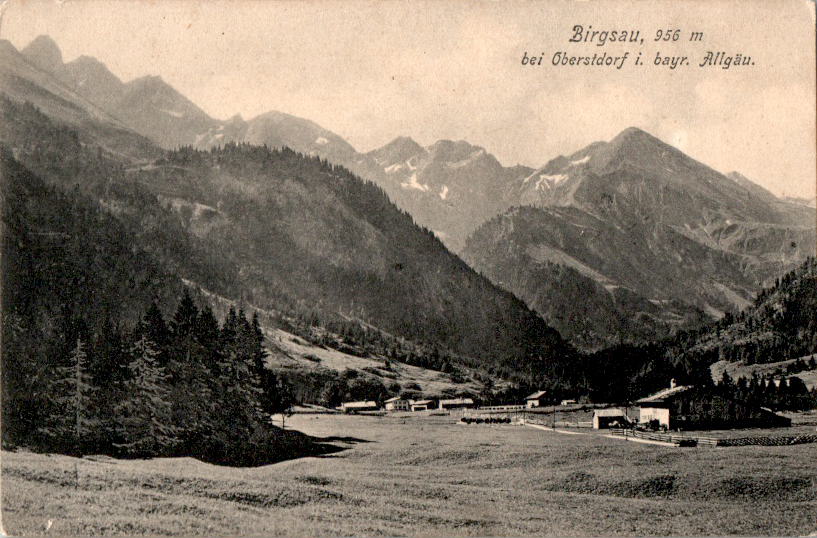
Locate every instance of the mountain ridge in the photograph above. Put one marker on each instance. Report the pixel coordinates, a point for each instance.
(648, 200)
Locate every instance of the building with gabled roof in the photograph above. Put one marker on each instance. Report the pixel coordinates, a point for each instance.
(456, 403)
(354, 407)
(537, 399)
(397, 404)
(609, 418)
(691, 407)
(421, 405)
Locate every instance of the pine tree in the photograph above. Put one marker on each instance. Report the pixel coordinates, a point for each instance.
(157, 331)
(144, 416)
(184, 320)
(71, 425)
(207, 335)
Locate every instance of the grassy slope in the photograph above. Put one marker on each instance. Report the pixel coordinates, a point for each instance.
(737, 370)
(433, 383)
(427, 476)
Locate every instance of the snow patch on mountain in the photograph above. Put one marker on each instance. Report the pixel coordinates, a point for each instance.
(580, 161)
(412, 183)
(548, 181)
(393, 168)
(174, 113)
(444, 192)
(321, 141)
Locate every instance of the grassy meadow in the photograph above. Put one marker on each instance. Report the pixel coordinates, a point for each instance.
(424, 476)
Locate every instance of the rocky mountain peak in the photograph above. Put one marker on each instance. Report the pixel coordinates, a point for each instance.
(397, 151)
(44, 53)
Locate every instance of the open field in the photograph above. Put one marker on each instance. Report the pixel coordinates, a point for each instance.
(426, 476)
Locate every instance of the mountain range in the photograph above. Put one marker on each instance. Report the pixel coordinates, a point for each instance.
(276, 228)
(662, 234)
(625, 240)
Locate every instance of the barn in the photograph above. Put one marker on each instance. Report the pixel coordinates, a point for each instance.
(609, 418)
(397, 404)
(537, 399)
(690, 407)
(354, 407)
(457, 403)
(421, 405)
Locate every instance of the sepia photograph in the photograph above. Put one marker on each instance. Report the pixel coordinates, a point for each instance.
(408, 268)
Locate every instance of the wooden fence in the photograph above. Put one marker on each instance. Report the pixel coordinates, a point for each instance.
(502, 408)
(694, 440)
(673, 438)
(769, 441)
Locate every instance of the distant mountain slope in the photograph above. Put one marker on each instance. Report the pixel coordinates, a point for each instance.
(660, 236)
(450, 187)
(780, 324)
(291, 233)
(637, 215)
(62, 251)
(148, 105)
(22, 81)
(315, 234)
(577, 298)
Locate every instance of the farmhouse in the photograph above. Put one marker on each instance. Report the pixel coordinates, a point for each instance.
(397, 404)
(537, 399)
(568, 402)
(457, 403)
(354, 407)
(691, 407)
(421, 405)
(609, 418)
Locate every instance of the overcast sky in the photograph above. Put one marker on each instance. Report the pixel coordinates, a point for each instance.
(372, 71)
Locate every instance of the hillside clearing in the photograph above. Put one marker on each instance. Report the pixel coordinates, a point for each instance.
(300, 354)
(736, 370)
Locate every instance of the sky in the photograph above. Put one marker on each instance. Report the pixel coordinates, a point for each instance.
(445, 69)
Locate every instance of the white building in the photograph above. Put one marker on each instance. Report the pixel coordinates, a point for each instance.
(398, 404)
(657, 406)
(537, 399)
(457, 403)
(421, 405)
(354, 407)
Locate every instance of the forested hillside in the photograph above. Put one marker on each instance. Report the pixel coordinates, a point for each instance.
(302, 237)
(780, 324)
(309, 235)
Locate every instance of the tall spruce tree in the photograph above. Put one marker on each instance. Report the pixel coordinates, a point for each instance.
(70, 423)
(144, 425)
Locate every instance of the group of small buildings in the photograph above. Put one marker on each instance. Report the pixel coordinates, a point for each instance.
(403, 404)
(683, 407)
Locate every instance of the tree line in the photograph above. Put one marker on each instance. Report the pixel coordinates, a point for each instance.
(778, 394)
(188, 386)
